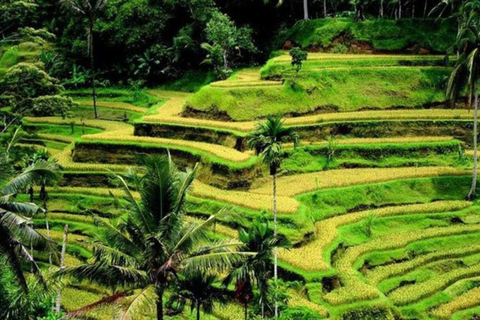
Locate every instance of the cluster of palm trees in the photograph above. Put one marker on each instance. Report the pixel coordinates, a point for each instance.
(154, 250)
(466, 73)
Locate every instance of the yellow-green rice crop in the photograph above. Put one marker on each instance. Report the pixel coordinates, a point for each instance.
(214, 149)
(384, 272)
(64, 159)
(467, 300)
(311, 255)
(297, 299)
(356, 290)
(307, 182)
(112, 105)
(244, 199)
(413, 293)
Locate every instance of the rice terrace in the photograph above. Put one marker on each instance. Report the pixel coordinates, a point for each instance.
(239, 159)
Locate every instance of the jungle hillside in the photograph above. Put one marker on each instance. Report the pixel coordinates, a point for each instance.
(239, 159)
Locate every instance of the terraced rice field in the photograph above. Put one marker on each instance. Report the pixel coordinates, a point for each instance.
(399, 237)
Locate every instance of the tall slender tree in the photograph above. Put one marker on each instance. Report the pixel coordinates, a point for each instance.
(256, 270)
(200, 290)
(16, 231)
(466, 73)
(267, 142)
(153, 242)
(88, 9)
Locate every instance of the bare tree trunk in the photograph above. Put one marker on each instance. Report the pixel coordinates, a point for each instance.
(159, 303)
(92, 67)
(198, 310)
(399, 9)
(324, 8)
(413, 10)
(425, 9)
(381, 8)
(305, 9)
(275, 263)
(62, 267)
(472, 193)
(246, 309)
(225, 60)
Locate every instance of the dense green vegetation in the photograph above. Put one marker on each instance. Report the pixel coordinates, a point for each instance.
(220, 160)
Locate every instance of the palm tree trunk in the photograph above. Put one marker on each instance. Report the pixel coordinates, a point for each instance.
(62, 267)
(160, 292)
(225, 60)
(198, 310)
(275, 262)
(305, 9)
(92, 67)
(472, 193)
(48, 236)
(246, 309)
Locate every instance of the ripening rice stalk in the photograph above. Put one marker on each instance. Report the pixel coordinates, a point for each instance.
(112, 105)
(302, 183)
(243, 198)
(214, 149)
(384, 272)
(355, 289)
(311, 256)
(413, 293)
(464, 301)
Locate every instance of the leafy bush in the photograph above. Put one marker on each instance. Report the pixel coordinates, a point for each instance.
(367, 314)
(381, 34)
(26, 81)
(9, 58)
(299, 313)
(39, 36)
(51, 106)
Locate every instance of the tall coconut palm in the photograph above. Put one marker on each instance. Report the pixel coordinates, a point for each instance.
(148, 247)
(200, 290)
(16, 230)
(89, 9)
(466, 73)
(267, 142)
(255, 269)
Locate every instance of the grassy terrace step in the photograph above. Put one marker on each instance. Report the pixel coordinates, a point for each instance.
(381, 273)
(467, 300)
(359, 124)
(312, 256)
(65, 160)
(356, 290)
(380, 88)
(280, 66)
(112, 105)
(308, 182)
(415, 292)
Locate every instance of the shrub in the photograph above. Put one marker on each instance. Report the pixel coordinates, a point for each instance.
(26, 81)
(9, 58)
(39, 36)
(299, 313)
(51, 106)
(368, 314)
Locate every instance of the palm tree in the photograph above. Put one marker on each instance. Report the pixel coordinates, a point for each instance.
(198, 288)
(90, 10)
(16, 229)
(148, 247)
(267, 142)
(466, 73)
(255, 269)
